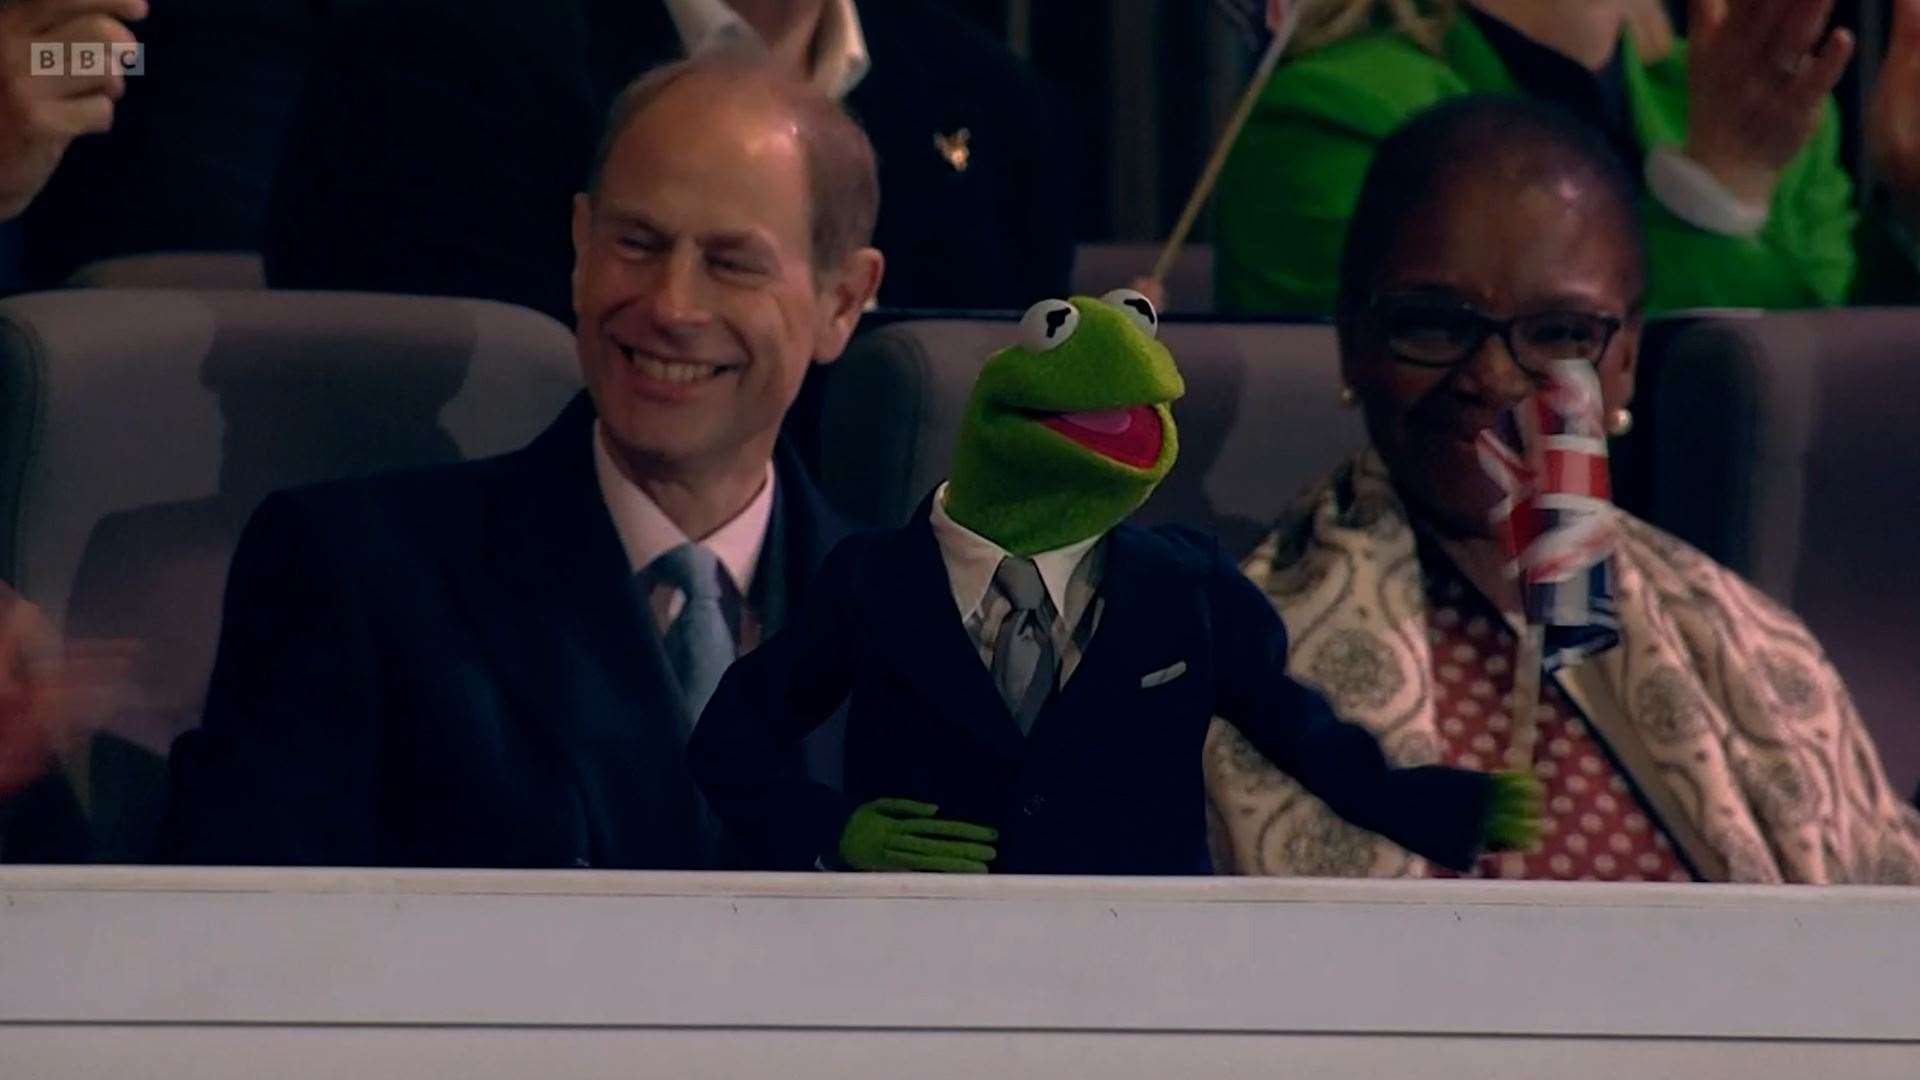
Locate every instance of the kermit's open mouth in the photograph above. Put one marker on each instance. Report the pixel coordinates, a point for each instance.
(1132, 436)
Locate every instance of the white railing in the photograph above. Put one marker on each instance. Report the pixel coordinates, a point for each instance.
(214, 974)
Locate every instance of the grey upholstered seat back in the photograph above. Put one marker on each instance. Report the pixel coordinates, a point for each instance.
(1098, 268)
(1260, 421)
(174, 270)
(1788, 447)
(139, 429)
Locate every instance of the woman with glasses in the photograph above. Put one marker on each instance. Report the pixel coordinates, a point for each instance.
(1496, 237)
(1732, 137)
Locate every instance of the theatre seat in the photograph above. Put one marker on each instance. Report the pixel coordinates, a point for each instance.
(139, 429)
(1098, 268)
(175, 270)
(1260, 421)
(1787, 446)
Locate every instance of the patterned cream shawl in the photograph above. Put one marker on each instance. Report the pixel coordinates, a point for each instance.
(1717, 703)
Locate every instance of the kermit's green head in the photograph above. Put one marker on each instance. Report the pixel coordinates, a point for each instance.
(1067, 432)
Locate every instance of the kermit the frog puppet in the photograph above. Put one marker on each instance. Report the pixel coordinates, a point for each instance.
(1028, 678)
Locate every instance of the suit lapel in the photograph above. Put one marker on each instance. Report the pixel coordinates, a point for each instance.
(1140, 586)
(911, 617)
(802, 530)
(800, 533)
(563, 621)
(925, 641)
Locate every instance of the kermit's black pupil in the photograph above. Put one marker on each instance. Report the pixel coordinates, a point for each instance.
(1055, 318)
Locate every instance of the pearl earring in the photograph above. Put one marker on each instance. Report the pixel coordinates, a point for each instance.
(1619, 422)
(1347, 400)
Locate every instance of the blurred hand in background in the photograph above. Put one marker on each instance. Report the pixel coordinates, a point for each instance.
(1757, 81)
(51, 694)
(40, 115)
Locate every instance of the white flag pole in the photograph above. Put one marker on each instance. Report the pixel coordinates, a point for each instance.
(1211, 174)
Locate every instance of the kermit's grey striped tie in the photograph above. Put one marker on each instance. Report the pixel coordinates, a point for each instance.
(1024, 665)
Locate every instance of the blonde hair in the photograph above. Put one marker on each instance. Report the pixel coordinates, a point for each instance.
(1324, 22)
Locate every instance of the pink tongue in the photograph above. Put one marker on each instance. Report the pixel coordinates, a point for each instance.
(1107, 422)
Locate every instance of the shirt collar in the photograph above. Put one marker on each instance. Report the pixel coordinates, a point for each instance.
(840, 57)
(646, 532)
(972, 559)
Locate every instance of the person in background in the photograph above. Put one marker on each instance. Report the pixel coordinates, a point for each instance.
(497, 663)
(1734, 140)
(42, 114)
(1713, 741)
(439, 142)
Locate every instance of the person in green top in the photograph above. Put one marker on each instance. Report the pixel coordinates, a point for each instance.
(1744, 201)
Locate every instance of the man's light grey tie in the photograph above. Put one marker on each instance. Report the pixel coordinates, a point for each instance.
(699, 643)
(1024, 665)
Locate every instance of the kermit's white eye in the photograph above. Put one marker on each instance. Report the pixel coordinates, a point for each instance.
(1048, 324)
(1135, 305)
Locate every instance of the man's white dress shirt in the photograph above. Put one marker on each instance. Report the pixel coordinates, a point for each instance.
(646, 533)
(1071, 575)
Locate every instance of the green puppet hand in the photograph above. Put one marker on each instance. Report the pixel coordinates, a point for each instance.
(900, 834)
(1516, 805)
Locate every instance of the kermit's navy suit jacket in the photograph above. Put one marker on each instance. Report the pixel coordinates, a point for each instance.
(1108, 781)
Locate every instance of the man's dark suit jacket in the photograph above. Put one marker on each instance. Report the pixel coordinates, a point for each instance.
(454, 667)
(1109, 779)
(439, 145)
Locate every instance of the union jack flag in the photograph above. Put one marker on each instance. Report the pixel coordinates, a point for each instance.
(1556, 520)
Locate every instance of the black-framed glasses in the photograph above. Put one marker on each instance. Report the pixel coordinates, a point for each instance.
(1438, 333)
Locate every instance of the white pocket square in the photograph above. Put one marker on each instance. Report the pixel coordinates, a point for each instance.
(1164, 675)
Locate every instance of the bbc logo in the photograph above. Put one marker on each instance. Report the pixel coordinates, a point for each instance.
(88, 58)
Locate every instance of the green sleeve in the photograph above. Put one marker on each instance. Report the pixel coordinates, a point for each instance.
(1802, 258)
(1293, 177)
(1285, 197)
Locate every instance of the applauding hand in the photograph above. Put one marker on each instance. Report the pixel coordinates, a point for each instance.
(51, 694)
(1756, 83)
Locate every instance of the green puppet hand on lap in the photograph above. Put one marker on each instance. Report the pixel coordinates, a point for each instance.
(1100, 385)
(1516, 805)
(900, 834)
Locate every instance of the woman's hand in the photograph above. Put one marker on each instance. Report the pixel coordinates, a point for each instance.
(1893, 115)
(1756, 83)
